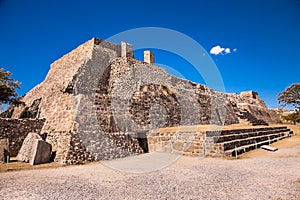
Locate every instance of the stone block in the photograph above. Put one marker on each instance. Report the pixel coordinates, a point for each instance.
(148, 57)
(269, 148)
(41, 152)
(4, 153)
(26, 149)
(126, 50)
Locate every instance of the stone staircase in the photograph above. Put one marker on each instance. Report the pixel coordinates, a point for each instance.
(245, 117)
(235, 142)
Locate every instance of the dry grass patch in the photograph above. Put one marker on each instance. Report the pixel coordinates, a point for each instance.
(294, 128)
(212, 127)
(15, 165)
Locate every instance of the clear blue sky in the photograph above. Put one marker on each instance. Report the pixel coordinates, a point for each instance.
(263, 36)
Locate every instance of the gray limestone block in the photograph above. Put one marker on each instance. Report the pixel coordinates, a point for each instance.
(26, 148)
(41, 152)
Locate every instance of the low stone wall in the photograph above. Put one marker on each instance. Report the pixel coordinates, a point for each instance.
(183, 142)
(15, 130)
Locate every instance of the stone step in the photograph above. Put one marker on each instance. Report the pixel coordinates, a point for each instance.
(216, 143)
(246, 148)
(258, 124)
(225, 138)
(239, 131)
(268, 148)
(244, 121)
(248, 141)
(245, 116)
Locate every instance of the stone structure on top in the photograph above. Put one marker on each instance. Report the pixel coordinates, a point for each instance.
(126, 50)
(148, 57)
(97, 100)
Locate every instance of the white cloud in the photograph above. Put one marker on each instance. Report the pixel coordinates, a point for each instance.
(227, 50)
(216, 50)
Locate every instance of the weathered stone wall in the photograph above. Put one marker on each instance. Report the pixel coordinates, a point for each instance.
(15, 130)
(134, 88)
(92, 111)
(149, 95)
(139, 90)
(182, 141)
(69, 87)
(251, 102)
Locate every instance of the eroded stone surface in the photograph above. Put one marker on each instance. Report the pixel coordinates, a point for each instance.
(27, 149)
(40, 153)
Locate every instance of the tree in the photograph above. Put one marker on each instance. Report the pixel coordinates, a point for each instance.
(290, 96)
(294, 117)
(8, 87)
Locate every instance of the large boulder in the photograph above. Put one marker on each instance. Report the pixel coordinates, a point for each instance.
(26, 148)
(41, 152)
(34, 150)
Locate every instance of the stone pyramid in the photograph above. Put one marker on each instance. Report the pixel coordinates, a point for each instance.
(98, 103)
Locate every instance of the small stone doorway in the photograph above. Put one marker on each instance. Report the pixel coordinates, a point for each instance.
(143, 142)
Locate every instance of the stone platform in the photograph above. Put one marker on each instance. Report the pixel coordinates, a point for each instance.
(213, 140)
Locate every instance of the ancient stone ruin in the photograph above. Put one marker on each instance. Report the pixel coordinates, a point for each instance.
(98, 102)
(34, 150)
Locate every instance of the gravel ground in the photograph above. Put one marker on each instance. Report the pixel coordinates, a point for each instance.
(275, 175)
